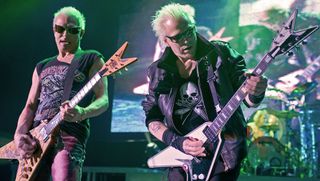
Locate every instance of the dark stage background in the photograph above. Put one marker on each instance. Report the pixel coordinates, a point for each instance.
(26, 38)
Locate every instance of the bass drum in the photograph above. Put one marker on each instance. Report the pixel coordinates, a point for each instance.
(266, 152)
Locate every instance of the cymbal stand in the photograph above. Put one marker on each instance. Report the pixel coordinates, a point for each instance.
(308, 154)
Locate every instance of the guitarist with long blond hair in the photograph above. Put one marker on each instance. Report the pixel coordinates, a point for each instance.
(46, 98)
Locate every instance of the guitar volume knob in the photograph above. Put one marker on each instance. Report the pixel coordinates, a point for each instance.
(194, 177)
(201, 176)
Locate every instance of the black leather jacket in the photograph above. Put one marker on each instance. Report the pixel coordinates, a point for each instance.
(229, 67)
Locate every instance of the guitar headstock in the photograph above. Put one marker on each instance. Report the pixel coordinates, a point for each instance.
(287, 38)
(116, 63)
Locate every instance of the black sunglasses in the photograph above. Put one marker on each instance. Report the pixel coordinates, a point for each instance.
(71, 30)
(181, 36)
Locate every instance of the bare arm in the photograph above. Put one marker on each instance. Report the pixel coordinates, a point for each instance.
(27, 115)
(25, 144)
(98, 106)
(101, 102)
(157, 129)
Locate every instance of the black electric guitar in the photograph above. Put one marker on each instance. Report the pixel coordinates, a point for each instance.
(201, 168)
(44, 133)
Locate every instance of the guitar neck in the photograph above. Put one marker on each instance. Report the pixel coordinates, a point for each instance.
(235, 101)
(284, 42)
(312, 68)
(80, 95)
(73, 102)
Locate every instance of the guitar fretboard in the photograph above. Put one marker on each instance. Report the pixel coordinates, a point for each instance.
(235, 101)
(279, 46)
(73, 102)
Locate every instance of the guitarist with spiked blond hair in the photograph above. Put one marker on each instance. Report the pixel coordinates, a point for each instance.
(181, 99)
(50, 79)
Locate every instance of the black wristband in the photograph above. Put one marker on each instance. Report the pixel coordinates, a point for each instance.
(256, 99)
(172, 139)
(168, 136)
(178, 143)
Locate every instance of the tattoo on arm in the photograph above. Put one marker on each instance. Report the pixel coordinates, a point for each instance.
(155, 126)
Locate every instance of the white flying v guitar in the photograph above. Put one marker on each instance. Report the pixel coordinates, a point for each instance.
(44, 133)
(200, 168)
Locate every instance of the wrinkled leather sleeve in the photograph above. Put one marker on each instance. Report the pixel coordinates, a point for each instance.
(237, 66)
(237, 70)
(150, 104)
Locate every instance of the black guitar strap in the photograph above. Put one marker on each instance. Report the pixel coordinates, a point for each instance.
(212, 77)
(69, 77)
(68, 81)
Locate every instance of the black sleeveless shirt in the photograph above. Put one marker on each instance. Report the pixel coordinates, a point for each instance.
(52, 75)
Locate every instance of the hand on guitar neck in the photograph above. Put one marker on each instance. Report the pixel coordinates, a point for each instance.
(70, 114)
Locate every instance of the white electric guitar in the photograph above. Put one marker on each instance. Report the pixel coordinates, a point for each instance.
(201, 168)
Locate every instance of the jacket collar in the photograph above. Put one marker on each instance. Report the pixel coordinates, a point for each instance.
(167, 60)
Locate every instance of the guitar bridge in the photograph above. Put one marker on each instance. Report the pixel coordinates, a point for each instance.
(44, 134)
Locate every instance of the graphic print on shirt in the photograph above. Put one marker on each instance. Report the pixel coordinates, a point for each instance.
(79, 76)
(189, 102)
(52, 83)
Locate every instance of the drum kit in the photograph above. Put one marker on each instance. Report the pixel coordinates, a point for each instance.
(283, 135)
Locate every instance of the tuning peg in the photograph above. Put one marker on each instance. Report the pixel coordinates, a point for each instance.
(125, 69)
(290, 54)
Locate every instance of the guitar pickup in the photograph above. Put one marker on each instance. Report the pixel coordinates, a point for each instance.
(210, 134)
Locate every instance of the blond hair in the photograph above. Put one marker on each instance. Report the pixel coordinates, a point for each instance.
(71, 11)
(175, 11)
